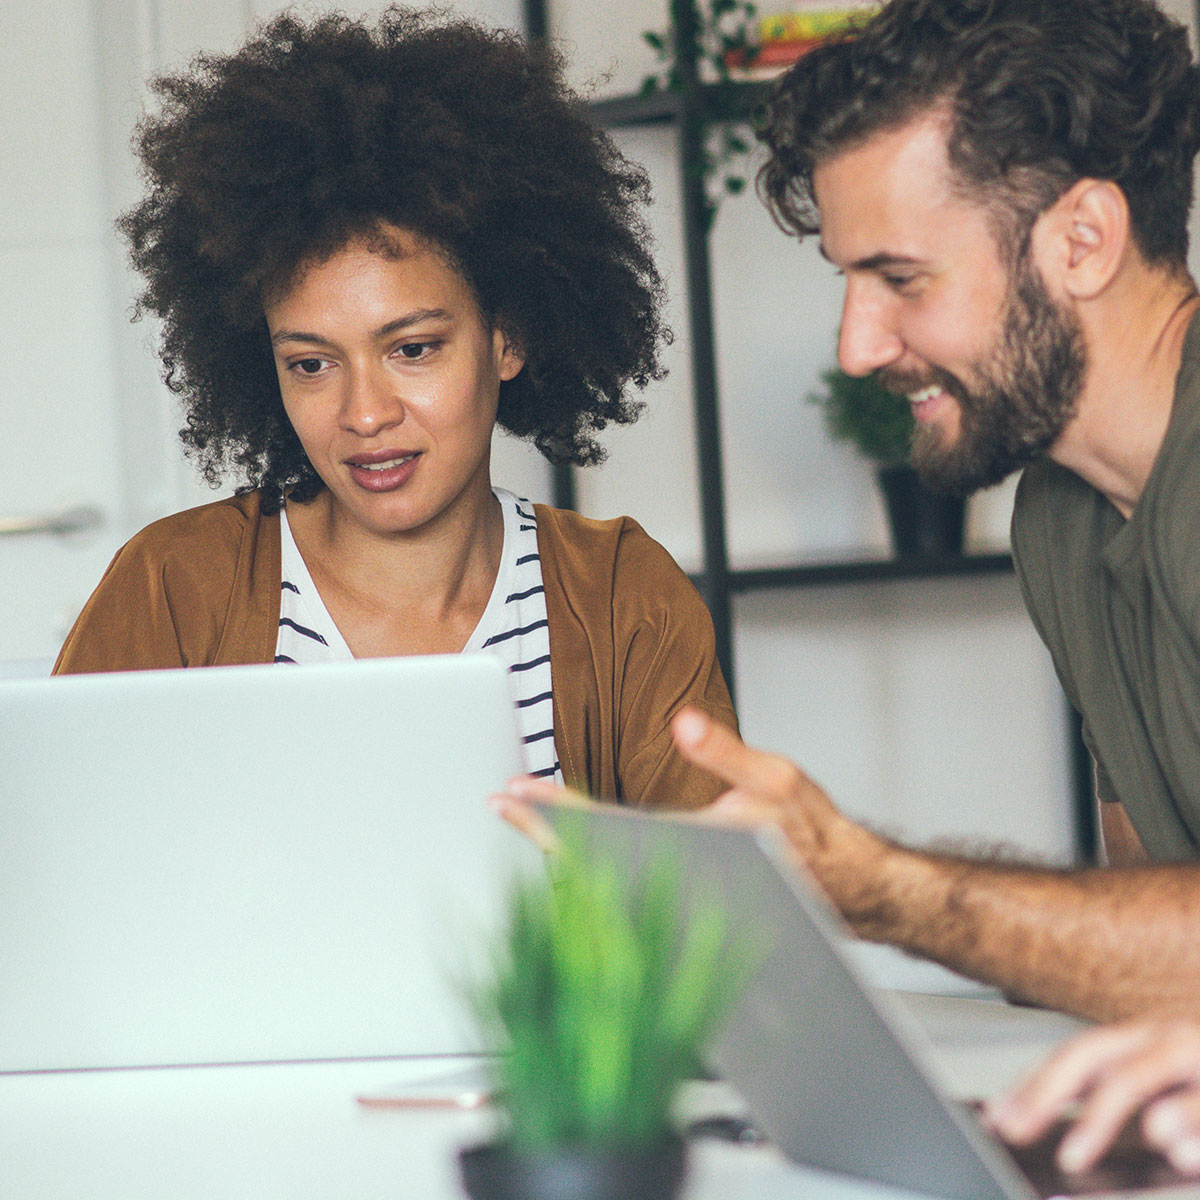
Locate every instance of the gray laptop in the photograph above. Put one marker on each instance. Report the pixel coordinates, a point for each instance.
(249, 863)
(830, 1069)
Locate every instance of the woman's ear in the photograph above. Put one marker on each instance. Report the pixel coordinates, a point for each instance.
(1081, 241)
(510, 357)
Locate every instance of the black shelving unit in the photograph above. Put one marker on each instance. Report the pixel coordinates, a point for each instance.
(683, 111)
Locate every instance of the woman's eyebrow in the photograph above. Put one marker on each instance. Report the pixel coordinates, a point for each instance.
(413, 318)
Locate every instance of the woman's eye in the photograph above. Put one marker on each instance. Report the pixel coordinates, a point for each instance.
(308, 366)
(416, 350)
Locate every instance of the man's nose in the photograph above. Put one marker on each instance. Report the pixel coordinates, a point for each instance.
(867, 340)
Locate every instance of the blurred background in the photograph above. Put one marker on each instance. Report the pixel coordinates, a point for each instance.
(926, 705)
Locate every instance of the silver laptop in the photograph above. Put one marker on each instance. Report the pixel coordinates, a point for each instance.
(253, 863)
(831, 1071)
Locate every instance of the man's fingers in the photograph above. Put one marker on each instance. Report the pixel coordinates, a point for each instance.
(513, 804)
(1172, 1125)
(1026, 1112)
(1168, 1058)
(1105, 1112)
(1114, 1072)
(527, 787)
(525, 820)
(718, 749)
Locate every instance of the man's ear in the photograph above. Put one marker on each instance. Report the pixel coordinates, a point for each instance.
(1081, 241)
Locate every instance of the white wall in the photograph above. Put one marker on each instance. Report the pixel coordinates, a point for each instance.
(58, 442)
(928, 707)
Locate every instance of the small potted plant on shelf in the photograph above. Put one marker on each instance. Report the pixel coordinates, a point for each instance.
(600, 1002)
(879, 424)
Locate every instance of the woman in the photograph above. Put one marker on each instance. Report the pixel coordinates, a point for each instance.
(367, 244)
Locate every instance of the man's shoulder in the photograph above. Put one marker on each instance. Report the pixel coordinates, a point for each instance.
(1050, 500)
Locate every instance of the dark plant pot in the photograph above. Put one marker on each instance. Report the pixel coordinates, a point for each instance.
(924, 524)
(496, 1172)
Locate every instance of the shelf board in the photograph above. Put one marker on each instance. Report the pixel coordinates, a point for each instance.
(867, 571)
(663, 107)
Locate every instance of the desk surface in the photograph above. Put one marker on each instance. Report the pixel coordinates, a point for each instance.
(295, 1131)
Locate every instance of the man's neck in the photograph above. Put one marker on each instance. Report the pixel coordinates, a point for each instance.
(1135, 335)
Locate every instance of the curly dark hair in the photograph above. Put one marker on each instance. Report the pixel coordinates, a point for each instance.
(263, 161)
(1039, 93)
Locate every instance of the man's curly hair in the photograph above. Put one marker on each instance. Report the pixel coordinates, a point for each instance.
(1039, 94)
(266, 160)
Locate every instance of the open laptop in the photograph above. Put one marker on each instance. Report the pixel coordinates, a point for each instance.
(832, 1070)
(252, 863)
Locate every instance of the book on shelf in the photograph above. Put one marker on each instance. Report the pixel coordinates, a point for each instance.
(781, 39)
(809, 24)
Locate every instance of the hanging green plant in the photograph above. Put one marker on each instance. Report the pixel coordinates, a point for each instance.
(694, 52)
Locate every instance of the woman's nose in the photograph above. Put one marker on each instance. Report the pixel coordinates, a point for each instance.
(371, 404)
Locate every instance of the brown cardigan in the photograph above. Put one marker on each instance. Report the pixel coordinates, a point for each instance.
(630, 640)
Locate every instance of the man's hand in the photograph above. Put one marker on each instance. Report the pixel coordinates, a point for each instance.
(1149, 1065)
(513, 805)
(769, 789)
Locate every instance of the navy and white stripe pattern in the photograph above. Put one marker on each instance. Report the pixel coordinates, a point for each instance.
(513, 627)
(307, 633)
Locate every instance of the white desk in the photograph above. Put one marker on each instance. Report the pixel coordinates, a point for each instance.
(295, 1132)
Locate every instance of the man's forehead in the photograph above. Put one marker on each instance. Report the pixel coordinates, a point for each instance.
(890, 196)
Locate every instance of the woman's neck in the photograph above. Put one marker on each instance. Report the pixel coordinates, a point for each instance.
(418, 591)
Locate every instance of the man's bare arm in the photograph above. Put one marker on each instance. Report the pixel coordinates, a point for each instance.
(1102, 943)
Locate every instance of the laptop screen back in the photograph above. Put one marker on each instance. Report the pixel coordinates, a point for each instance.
(829, 1072)
(249, 863)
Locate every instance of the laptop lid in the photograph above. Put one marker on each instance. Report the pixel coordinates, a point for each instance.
(249, 863)
(833, 1070)
(826, 1066)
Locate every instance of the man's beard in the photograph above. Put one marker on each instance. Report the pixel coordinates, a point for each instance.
(1024, 398)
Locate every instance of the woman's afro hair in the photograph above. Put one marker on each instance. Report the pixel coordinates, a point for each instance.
(313, 134)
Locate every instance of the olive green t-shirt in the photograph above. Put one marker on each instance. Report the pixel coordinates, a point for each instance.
(1118, 604)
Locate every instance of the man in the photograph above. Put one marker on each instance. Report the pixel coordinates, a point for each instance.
(1005, 185)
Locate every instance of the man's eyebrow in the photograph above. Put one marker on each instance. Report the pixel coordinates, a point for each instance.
(412, 318)
(873, 262)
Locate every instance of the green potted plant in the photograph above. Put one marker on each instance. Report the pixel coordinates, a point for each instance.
(600, 1001)
(879, 425)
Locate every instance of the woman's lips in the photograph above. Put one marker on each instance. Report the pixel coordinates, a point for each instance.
(383, 474)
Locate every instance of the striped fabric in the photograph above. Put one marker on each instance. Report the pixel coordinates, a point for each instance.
(513, 628)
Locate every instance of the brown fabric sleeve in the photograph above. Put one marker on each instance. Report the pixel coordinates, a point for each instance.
(200, 588)
(631, 643)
